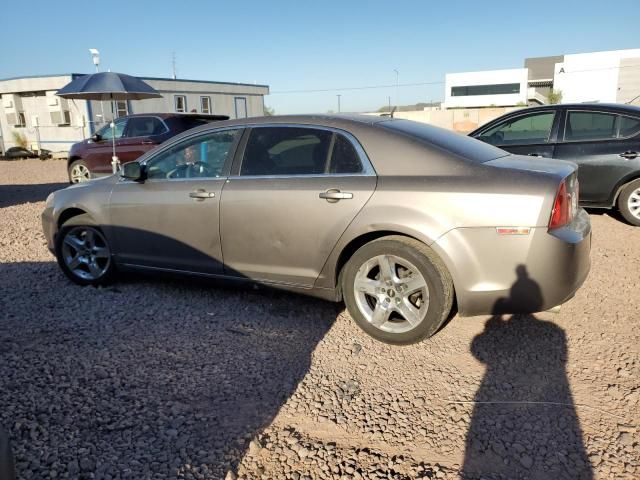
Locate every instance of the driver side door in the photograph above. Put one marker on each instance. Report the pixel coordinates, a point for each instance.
(530, 134)
(171, 220)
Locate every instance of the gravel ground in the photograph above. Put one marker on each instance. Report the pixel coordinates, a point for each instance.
(166, 378)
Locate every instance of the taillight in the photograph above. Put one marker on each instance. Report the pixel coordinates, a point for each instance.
(562, 212)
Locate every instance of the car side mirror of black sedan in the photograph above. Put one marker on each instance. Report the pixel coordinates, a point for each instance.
(96, 137)
(132, 171)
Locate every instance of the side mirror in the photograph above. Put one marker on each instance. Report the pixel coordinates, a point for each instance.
(132, 171)
(96, 137)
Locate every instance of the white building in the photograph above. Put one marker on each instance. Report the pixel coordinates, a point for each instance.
(612, 76)
(30, 108)
(599, 76)
(499, 88)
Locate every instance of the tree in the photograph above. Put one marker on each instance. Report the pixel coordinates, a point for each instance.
(269, 112)
(19, 139)
(555, 96)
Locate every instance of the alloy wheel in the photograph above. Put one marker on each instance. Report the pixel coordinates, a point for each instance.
(85, 253)
(391, 293)
(634, 203)
(80, 173)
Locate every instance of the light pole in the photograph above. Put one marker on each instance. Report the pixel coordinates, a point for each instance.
(397, 84)
(338, 102)
(95, 56)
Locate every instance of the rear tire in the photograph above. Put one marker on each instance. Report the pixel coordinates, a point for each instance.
(83, 253)
(629, 202)
(79, 172)
(397, 290)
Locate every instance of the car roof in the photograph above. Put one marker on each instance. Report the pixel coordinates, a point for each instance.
(165, 115)
(618, 107)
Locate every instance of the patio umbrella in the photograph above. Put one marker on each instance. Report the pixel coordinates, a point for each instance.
(108, 86)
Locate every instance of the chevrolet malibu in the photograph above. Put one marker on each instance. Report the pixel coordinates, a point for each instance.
(404, 222)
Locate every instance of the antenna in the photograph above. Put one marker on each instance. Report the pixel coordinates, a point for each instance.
(173, 64)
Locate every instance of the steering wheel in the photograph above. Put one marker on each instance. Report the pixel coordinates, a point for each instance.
(191, 170)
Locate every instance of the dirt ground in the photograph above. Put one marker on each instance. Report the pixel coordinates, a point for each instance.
(167, 378)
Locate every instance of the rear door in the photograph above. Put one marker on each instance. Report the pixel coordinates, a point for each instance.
(141, 135)
(531, 134)
(290, 197)
(606, 147)
(171, 220)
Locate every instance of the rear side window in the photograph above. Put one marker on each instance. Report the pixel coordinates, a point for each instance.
(286, 151)
(583, 126)
(344, 158)
(527, 129)
(629, 127)
(145, 127)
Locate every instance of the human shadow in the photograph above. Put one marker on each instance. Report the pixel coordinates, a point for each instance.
(7, 470)
(155, 378)
(11, 195)
(524, 424)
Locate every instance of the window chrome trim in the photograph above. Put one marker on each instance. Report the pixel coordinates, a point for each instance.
(368, 169)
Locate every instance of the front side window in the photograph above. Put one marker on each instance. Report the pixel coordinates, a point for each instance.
(205, 104)
(145, 127)
(181, 103)
(201, 157)
(527, 129)
(286, 151)
(107, 133)
(582, 126)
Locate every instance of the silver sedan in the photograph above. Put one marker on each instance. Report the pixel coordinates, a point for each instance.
(404, 222)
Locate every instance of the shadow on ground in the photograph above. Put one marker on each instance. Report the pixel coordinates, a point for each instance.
(11, 195)
(154, 378)
(524, 423)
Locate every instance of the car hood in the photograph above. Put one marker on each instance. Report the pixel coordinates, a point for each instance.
(557, 168)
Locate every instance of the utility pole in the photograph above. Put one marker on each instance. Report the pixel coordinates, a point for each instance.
(173, 64)
(338, 102)
(397, 85)
(389, 98)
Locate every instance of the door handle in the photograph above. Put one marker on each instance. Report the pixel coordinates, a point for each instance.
(534, 155)
(629, 155)
(333, 195)
(147, 142)
(201, 194)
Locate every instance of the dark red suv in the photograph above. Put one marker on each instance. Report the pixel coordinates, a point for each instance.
(135, 135)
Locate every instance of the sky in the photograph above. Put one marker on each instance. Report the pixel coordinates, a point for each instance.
(338, 47)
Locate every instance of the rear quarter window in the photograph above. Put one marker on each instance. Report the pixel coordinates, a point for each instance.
(454, 143)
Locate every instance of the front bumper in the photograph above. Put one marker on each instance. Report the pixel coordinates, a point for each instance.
(495, 273)
(49, 228)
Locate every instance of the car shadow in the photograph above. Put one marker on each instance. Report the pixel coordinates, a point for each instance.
(11, 195)
(156, 377)
(524, 423)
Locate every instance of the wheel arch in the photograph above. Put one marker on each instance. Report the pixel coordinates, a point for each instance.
(72, 159)
(357, 242)
(621, 186)
(70, 213)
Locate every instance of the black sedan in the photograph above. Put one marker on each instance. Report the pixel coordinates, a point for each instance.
(603, 139)
(17, 153)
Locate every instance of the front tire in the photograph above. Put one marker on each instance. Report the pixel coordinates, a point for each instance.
(83, 253)
(79, 172)
(397, 290)
(629, 203)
